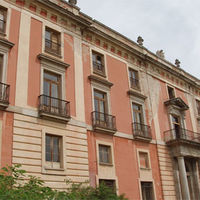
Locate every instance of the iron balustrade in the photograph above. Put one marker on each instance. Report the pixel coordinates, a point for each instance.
(2, 25)
(141, 130)
(103, 120)
(98, 67)
(4, 93)
(134, 83)
(52, 47)
(54, 106)
(181, 134)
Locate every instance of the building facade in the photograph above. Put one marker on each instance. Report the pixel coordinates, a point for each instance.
(80, 101)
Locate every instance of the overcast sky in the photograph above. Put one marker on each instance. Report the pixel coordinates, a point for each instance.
(171, 25)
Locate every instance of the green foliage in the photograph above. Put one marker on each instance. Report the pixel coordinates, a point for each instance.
(13, 187)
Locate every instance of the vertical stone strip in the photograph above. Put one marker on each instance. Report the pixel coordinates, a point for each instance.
(23, 61)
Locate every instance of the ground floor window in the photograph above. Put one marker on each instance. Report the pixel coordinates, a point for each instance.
(147, 191)
(109, 183)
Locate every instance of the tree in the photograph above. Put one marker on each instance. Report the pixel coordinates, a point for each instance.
(16, 185)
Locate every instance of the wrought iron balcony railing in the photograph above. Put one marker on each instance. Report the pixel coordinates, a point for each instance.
(4, 93)
(134, 83)
(98, 67)
(104, 121)
(2, 25)
(141, 131)
(52, 47)
(54, 106)
(181, 134)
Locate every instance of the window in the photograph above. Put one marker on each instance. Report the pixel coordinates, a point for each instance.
(100, 101)
(134, 79)
(176, 126)
(144, 160)
(98, 63)
(198, 107)
(147, 191)
(105, 154)
(109, 183)
(2, 19)
(53, 147)
(137, 113)
(171, 93)
(52, 41)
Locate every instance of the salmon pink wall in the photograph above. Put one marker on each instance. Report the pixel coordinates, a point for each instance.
(7, 139)
(70, 72)
(34, 63)
(120, 101)
(12, 57)
(87, 84)
(163, 117)
(126, 167)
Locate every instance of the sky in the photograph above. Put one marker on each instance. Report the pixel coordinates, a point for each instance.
(170, 25)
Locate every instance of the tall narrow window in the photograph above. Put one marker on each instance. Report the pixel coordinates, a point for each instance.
(52, 41)
(134, 79)
(137, 114)
(176, 126)
(53, 146)
(147, 191)
(171, 92)
(3, 12)
(100, 101)
(98, 63)
(105, 154)
(198, 107)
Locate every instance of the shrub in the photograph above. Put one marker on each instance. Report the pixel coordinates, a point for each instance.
(15, 185)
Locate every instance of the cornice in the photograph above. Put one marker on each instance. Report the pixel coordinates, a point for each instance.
(6, 43)
(100, 80)
(45, 58)
(137, 94)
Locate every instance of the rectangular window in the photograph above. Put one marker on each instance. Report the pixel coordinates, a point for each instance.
(176, 126)
(171, 92)
(105, 154)
(134, 79)
(98, 63)
(52, 41)
(137, 113)
(198, 107)
(109, 183)
(144, 160)
(53, 148)
(147, 191)
(3, 12)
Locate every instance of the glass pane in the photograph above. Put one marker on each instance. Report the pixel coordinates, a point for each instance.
(47, 35)
(48, 148)
(46, 88)
(54, 90)
(51, 76)
(99, 95)
(102, 107)
(96, 105)
(56, 149)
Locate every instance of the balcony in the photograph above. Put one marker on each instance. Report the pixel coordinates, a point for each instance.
(52, 47)
(142, 132)
(4, 95)
(134, 83)
(181, 135)
(102, 122)
(54, 108)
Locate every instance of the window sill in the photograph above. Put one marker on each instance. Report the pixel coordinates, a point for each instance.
(54, 169)
(102, 74)
(146, 169)
(106, 164)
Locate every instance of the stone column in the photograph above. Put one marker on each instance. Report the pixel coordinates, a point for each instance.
(183, 179)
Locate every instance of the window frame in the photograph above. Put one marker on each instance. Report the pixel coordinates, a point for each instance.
(95, 71)
(110, 162)
(197, 101)
(59, 41)
(114, 186)
(54, 167)
(137, 79)
(141, 112)
(4, 11)
(173, 89)
(152, 188)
